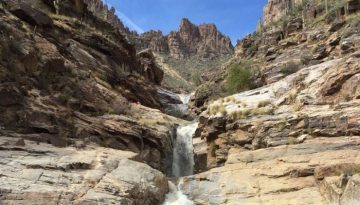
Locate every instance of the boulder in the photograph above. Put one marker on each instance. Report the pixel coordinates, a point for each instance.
(271, 51)
(293, 26)
(353, 6)
(334, 41)
(41, 174)
(351, 193)
(335, 26)
(346, 46)
(33, 16)
(151, 70)
(319, 52)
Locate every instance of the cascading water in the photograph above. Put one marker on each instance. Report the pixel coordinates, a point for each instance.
(183, 160)
(176, 197)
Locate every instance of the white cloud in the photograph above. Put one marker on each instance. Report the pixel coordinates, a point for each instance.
(129, 23)
(126, 20)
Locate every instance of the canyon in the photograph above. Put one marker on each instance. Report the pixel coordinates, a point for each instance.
(93, 113)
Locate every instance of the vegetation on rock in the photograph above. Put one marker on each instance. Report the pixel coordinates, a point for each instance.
(239, 77)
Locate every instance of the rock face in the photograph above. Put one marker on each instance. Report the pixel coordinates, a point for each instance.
(42, 174)
(276, 9)
(204, 41)
(81, 105)
(307, 173)
(188, 56)
(150, 69)
(293, 140)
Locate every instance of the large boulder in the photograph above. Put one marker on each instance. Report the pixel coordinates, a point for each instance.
(40, 174)
(151, 70)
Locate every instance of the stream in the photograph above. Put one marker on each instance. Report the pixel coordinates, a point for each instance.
(183, 158)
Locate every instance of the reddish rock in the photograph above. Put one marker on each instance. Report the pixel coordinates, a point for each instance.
(204, 41)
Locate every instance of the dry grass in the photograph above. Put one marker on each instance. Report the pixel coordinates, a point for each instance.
(217, 108)
(222, 110)
(292, 96)
(297, 106)
(263, 103)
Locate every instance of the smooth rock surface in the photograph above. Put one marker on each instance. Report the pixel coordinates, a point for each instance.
(40, 174)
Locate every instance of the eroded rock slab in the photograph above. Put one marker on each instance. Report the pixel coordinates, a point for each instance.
(42, 174)
(281, 175)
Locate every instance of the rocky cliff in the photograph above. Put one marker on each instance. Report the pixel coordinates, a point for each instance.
(204, 41)
(188, 52)
(289, 133)
(81, 116)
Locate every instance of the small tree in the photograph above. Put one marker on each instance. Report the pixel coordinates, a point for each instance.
(239, 78)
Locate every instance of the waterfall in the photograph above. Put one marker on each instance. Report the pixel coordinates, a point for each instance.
(183, 159)
(176, 197)
(184, 98)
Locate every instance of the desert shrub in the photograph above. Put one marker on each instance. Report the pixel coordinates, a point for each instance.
(233, 115)
(214, 109)
(289, 68)
(297, 106)
(292, 96)
(354, 26)
(305, 59)
(239, 78)
(222, 110)
(246, 113)
(66, 95)
(196, 78)
(263, 103)
(230, 99)
(117, 74)
(121, 107)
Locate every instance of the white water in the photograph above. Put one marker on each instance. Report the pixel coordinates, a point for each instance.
(176, 197)
(183, 159)
(184, 98)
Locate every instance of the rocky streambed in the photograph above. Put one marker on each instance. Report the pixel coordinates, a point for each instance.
(40, 173)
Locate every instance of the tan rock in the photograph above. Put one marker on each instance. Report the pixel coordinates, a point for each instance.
(43, 174)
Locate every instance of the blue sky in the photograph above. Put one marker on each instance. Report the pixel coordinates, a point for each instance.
(234, 18)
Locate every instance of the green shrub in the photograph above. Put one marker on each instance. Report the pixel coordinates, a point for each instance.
(239, 78)
(196, 78)
(289, 68)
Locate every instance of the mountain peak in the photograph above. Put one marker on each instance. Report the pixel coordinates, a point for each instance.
(203, 40)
